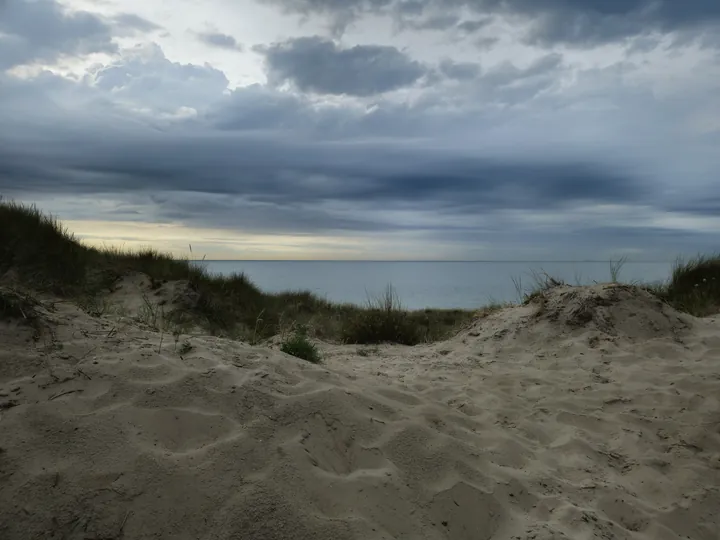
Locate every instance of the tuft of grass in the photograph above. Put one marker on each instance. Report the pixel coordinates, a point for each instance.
(300, 346)
(542, 283)
(615, 268)
(48, 255)
(383, 321)
(693, 287)
(151, 313)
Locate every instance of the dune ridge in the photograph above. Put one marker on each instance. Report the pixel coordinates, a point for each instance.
(591, 412)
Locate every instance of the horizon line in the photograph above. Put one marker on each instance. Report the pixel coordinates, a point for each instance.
(434, 261)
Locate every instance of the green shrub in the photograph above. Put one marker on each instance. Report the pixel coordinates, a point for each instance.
(300, 346)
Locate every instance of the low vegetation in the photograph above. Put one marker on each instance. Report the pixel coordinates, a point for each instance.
(693, 287)
(40, 254)
(16, 305)
(384, 320)
(300, 346)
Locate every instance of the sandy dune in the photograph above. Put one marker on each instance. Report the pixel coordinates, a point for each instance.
(592, 415)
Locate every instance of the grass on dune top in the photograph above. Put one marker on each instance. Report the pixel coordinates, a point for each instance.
(694, 286)
(45, 256)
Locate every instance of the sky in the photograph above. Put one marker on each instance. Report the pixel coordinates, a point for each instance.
(368, 129)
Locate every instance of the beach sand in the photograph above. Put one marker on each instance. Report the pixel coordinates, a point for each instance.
(593, 414)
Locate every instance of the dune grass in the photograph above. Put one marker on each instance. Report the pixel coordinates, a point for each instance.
(694, 286)
(300, 346)
(385, 320)
(43, 255)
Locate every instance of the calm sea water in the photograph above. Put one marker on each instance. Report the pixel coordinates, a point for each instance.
(426, 284)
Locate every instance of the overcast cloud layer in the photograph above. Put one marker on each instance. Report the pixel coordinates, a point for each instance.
(461, 129)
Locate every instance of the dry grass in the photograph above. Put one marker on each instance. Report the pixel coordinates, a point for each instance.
(15, 305)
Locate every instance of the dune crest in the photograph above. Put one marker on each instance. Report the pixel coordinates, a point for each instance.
(590, 413)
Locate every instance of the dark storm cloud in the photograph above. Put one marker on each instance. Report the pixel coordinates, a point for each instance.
(268, 170)
(43, 31)
(709, 206)
(582, 22)
(217, 39)
(314, 64)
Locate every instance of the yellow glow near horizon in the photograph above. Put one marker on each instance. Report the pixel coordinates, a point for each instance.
(215, 244)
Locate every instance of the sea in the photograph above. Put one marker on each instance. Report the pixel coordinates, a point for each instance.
(429, 284)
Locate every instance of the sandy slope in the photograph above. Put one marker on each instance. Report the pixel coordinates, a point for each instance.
(594, 415)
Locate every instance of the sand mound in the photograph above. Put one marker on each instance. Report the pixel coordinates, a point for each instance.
(613, 309)
(594, 316)
(502, 433)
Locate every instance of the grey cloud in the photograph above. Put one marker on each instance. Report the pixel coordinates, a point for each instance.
(217, 39)
(144, 74)
(263, 109)
(486, 43)
(581, 22)
(707, 204)
(43, 31)
(260, 166)
(279, 180)
(472, 26)
(265, 167)
(435, 22)
(314, 64)
(460, 71)
(131, 23)
(443, 21)
(406, 7)
(509, 84)
(589, 22)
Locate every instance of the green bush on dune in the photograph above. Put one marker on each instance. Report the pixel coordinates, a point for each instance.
(300, 346)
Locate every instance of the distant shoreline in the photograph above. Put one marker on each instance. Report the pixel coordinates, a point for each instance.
(436, 261)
